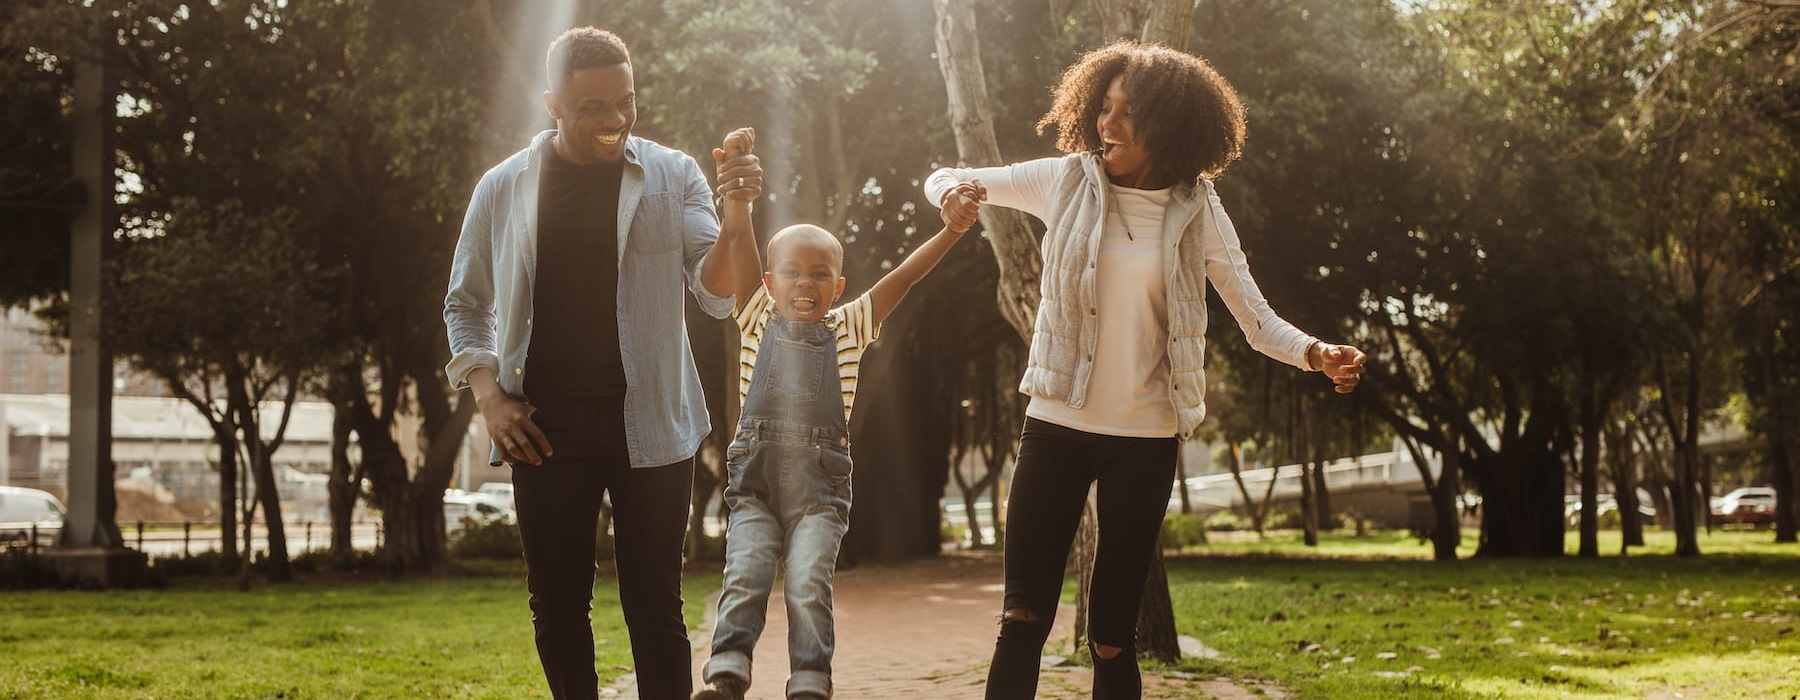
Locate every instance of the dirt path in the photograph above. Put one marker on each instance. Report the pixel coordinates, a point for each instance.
(926, 630)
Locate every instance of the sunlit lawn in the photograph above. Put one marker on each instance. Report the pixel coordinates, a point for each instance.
(452, 637)
(1374, 618)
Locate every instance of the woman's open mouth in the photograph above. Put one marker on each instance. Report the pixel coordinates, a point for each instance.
(1110, 147)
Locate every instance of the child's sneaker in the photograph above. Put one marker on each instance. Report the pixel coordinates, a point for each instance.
(723, 688)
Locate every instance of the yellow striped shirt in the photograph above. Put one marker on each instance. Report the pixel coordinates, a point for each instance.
(855, 332)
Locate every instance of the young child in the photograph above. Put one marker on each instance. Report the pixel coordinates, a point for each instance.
(788, 483)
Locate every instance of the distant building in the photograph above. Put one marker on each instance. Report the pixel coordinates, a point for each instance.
(164, 438)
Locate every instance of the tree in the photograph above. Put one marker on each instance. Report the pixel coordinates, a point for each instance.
(196, 307)
(39, 196)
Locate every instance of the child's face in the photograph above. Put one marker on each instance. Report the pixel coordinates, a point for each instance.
(803, 279)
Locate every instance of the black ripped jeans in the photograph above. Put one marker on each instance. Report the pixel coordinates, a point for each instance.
(1056, 466)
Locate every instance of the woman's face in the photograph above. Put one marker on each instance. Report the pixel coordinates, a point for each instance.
(1122, 148)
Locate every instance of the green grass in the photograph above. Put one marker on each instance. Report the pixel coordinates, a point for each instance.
(451, 637)
(1648, 625)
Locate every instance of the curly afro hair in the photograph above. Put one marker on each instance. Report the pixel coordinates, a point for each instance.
(583, 47)
(1188, 115)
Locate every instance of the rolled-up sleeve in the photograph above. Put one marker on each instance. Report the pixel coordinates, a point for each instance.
(469, 306)
(699, 231)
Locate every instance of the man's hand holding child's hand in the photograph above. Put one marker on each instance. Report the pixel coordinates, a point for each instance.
(739, 172)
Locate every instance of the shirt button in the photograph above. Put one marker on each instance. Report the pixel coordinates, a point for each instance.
(528, 322)
(518, 370)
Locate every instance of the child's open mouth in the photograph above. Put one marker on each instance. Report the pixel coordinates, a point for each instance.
(803, 305)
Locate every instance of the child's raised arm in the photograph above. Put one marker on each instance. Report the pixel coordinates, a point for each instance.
(736, 231)
(887, 293)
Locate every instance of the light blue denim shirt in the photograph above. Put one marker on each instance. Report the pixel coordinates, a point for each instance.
(666, 226)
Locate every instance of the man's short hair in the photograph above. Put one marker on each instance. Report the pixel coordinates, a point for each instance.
(584, 47)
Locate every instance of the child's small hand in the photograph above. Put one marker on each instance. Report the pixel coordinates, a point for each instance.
(739, 172)
(962, 205)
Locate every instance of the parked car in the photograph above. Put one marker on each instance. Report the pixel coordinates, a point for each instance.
(1606, 509)
(462, 508)
(23, 508)
(499, 489)
(1751, 505)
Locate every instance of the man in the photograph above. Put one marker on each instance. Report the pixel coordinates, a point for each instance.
(565, 319)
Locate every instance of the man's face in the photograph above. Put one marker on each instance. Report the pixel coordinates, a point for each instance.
(594, 111)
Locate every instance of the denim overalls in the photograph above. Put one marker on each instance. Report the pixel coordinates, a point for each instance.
(788, 489)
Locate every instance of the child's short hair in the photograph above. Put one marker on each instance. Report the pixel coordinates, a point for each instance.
(806, 232)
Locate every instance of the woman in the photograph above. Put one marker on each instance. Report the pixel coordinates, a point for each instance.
(1134, 233)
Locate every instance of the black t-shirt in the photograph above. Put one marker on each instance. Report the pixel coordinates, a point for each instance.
(574, 354)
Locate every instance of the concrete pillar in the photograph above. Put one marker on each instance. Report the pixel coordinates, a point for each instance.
(90, 488)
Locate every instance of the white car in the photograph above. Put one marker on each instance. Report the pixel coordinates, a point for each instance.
(502, 490)
(462, 507)
(21, 509)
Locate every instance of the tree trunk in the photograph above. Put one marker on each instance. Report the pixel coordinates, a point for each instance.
(1322, 493)
(342, 490)
(1008, 231)
(1625, 486)
(1165, 22)
(1688, 505)
(1446, 526)
(228, 488)
(1156, 636)
(1081, 557)
(1309, 503)
(997, 504)
(1591, 426)
(1181, 477)
(1521, 514)
(262, 470)
(1447, 536)
(1787, 485)
(1252, 508)
(1779, 438)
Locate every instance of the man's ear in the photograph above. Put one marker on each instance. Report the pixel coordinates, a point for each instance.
(552, 105)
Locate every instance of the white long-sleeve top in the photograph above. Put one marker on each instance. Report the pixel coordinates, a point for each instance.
(1119, 343)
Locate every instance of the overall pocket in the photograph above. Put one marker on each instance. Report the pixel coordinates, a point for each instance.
(794, 367)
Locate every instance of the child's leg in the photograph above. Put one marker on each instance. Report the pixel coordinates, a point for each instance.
(753, 545)
(812, 551)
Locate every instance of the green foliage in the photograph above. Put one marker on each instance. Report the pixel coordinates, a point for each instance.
(208, 563)
(492, 539)
(20, 570)
(1183, 530)
(38, 198)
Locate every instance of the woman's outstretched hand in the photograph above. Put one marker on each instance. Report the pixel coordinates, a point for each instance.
(1342, 363)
